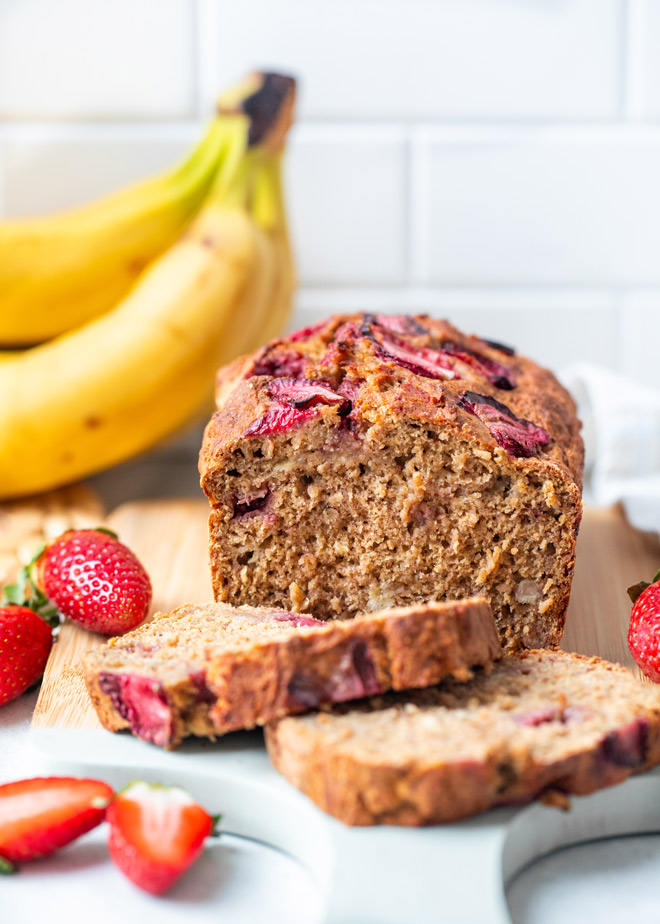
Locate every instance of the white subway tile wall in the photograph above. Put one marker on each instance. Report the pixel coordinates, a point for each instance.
(426, 59)
(493, 161)
(537, 206)
(640, 356)
(91, 59)
(347, 193)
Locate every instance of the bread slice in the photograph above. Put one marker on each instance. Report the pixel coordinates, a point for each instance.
(379, 461)
(207, 670)
(540, 722)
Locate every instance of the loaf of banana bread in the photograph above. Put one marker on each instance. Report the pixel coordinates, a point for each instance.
(207, 670)
(376, 461)
(541, 723)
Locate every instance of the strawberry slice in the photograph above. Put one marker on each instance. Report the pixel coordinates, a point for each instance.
(497, 374)
(156, 833)
(520, 437)
(432, 364)
(40, 815)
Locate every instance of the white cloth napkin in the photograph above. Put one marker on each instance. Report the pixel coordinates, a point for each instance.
(622, 438)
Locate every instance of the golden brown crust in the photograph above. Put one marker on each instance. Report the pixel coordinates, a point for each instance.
(537, 395)
(419, 789)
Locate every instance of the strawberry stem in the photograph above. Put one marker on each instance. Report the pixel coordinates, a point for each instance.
(25, 592)
(7, 868)
(215, 826)
(108, 532)
(636, 590)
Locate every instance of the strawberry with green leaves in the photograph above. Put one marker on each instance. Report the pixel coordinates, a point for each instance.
(90, 577)
(156, 833)
(644, 629)
(87, 576)
(40, 815)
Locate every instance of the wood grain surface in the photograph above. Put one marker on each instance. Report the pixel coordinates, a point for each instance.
(171, 540)
(27, 522)
(170, 537)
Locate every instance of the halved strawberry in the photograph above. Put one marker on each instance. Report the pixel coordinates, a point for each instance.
(40, 815)
(156, 833)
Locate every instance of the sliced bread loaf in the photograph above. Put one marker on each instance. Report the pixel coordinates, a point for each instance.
(376, 461)
(538, 722)
(207, 670)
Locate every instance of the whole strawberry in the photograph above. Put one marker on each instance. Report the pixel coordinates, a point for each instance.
(94, 580)
(644, 630)
(25, 643)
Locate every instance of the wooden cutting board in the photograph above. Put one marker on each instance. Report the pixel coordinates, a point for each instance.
(27, 522)
(170, 537)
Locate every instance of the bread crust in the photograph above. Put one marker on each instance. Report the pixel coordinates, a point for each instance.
(349, 354)
(538, 396)
(420, 789)
(199, 684)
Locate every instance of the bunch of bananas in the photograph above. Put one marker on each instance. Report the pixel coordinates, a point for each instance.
(141, 302)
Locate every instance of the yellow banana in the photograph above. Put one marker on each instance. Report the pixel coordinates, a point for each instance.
(60, 271)
(244, 333)
(124, 380)
(268, 210)
(120, 383)
(282, 302)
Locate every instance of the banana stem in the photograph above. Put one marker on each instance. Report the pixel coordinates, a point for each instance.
(205, 152)
(268, 100)
(196, 173)
(256, 116)
(246, 179)
(229, 187)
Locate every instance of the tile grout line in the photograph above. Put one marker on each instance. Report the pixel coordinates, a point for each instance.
(596, 294)
(632, 65)
(473, 132)
(49, 133)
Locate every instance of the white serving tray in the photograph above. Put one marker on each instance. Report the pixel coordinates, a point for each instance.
(377, 875)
